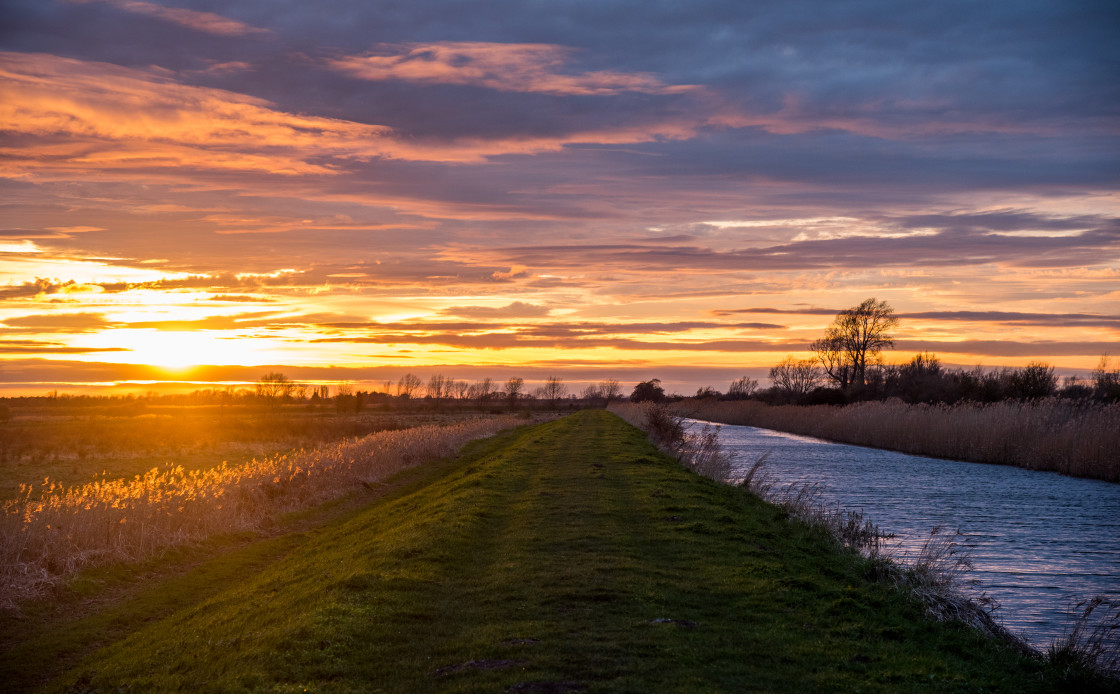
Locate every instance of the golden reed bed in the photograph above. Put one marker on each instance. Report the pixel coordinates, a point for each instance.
(50, 531)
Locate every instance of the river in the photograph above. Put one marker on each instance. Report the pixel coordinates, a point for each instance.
(1038, 540)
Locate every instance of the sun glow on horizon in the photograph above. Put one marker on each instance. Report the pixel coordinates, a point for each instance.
(179, 349)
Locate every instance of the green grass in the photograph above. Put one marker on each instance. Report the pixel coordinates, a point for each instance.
(566, 556)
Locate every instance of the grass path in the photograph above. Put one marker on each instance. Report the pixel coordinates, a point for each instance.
(564, 557)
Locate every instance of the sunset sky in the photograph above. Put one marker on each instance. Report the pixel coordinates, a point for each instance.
(202, 191)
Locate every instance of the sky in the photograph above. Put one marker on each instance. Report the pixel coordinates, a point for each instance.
(200, 191)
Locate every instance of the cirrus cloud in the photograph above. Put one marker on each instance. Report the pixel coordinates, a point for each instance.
(207, 22)
(515, 67)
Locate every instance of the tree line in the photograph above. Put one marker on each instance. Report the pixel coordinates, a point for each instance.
(439, 390)
(848, 366)
(274, 389)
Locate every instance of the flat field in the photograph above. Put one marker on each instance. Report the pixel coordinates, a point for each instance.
(569, 556)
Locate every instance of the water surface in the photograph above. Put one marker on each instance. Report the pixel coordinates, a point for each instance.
(1038, 540)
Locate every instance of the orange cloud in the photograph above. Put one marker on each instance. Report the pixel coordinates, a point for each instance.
(96, 115)
(192, 19)
(512, 67)
(88, 118)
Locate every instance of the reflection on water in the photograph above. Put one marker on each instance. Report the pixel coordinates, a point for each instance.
(1038, 540)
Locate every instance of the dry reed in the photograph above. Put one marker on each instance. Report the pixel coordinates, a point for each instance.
(1073, 438)
(51, 531)
(1094, 640)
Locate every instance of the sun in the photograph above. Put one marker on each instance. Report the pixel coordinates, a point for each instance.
(180, 350)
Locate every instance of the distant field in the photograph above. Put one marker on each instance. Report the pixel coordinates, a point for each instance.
(570, 556)
(72, 446)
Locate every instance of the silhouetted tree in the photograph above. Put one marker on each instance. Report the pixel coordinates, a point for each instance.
(648, 391)
(795, 378)
(408, 386)
(1035, 380)
(856, 338)
(919, 380)
(274, 387)
(610, 389)
(553, 390)
(513, 390)
(344, 400)
(742, 388)
(437, 387)
(1106, 381)
(481, 391)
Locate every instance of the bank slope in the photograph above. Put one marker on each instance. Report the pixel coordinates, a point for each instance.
(567, 556)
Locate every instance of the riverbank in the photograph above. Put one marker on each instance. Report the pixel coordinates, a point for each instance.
(564, 557)
(1071, 438)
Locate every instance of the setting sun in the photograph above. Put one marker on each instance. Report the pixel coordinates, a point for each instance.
(179, 350)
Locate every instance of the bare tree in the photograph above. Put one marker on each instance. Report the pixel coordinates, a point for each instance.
(481, 391)
(437, 387)
(274, 387)
(610, 389)
(856, 338)
(795, 377)
(1106, 379)
(832, 357)
(460, 389)
(513, 390)
(408, 386)
(553, 389)
(742, 388)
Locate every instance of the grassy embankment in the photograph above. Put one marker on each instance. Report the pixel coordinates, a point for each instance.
(563, 557)
(1077, 439)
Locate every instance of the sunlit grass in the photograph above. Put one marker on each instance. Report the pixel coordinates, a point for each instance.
(50, 530)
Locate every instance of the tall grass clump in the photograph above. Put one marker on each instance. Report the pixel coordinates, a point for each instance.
(1074, 438)
(49, 532)
(1094, 641)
